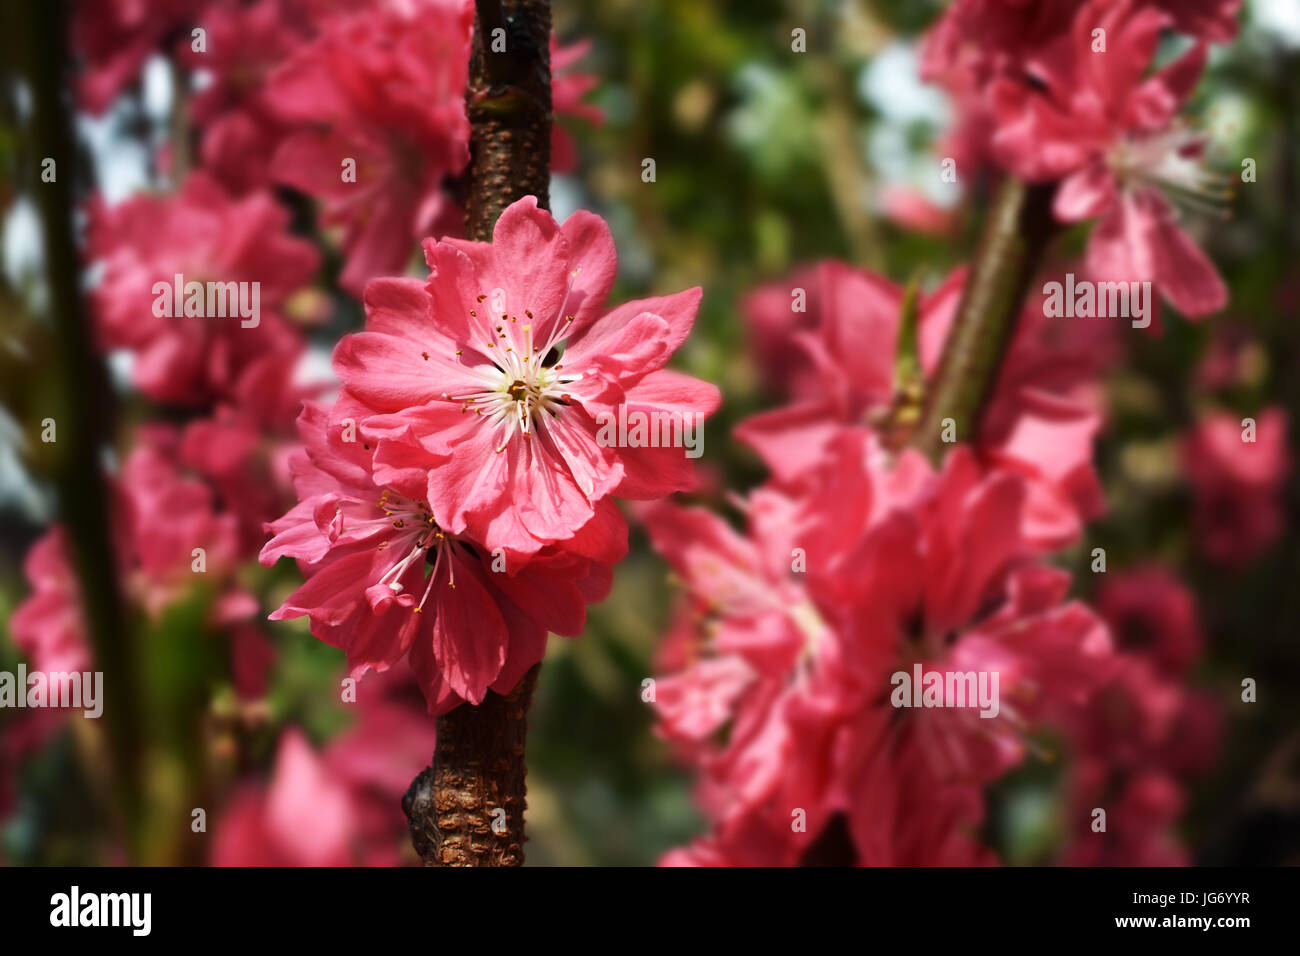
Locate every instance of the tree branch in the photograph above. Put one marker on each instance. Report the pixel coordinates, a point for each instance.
(1016, 233)
(478, 770)
(84, 421)
(478, 767)
(509, 104)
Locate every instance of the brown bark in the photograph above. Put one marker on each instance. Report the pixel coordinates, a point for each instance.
(478, 769)
(478, 766)
(509, 104)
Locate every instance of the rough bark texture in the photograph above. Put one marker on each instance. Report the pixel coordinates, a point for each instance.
(1018, 229)
(478, 767)
(509, 103)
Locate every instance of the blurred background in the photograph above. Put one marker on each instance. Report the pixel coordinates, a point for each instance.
(766, 161)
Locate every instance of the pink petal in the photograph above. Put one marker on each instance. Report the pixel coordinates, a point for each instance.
(1157, 101)
(592, 254)
(677, 311)
(655, 472)
(1085, 194)
(789, 440)
(1185, 275)
(390, 373)
(469, 633)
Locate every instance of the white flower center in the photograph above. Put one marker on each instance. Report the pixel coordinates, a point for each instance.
(1170, 161)
(418, 533)
(519, 391)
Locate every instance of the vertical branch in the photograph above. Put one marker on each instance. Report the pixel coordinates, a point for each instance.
(1016, 233)
(509, 104)
(478, 768)
(83, 422)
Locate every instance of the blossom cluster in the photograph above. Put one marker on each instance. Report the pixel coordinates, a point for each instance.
(859, 560)
(1080, 94)
(859, 563)
(460, 472)
(296, 121)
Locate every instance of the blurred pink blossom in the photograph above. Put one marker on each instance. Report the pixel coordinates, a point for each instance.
(1237, 484)
(794, 664)
(568, 90)
(383, 89)
(1040, 423)
(204, 236)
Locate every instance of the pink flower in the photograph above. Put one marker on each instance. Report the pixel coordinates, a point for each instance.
(160, 517)
(390, 742)
(244, 447)
(386, 579)
(202, 235)
(845, 577)
(166, 516)
(775, 312)
(961, 606)
(383, 90)
(998, 35)
(1112, 137)
(466, 398)
(1018, 37)
(1140, 736)
(1141, 812)
(1031, 87)
(252, 655)
(113, 38)
(1151, 612)
(1040, 423)
(244, 44)
(360, 777)
(568, 89)
(1133, 716)
(1143, 717)
(1237, 484)
(48, 627)
(763, 691)
(305, 817)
